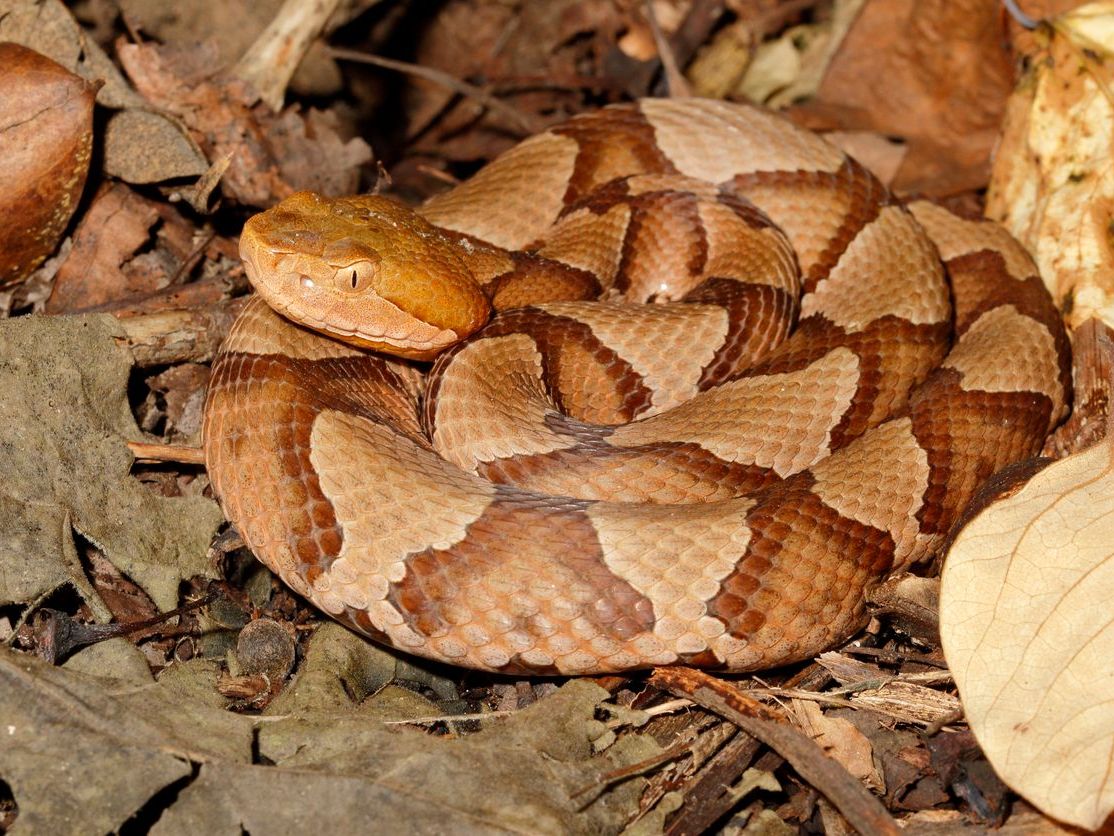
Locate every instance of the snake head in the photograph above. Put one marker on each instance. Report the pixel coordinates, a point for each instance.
(365, 270)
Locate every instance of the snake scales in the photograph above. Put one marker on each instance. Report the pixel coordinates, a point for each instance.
(592, 486)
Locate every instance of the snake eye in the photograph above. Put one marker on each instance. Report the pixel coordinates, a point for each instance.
(355, 278)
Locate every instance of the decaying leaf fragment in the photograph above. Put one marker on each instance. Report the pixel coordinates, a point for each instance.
(1053, 184)
(83, 753)
(65, 467)
(1026, 628)
(933, 72)
(46, 138)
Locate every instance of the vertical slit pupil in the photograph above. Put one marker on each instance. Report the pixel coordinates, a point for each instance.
(353, 279)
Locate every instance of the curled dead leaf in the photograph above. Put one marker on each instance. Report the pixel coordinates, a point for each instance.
(46, 137)
(1026, 630)
(1052, 184)
(145, 147)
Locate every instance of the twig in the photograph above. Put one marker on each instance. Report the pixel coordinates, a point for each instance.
(674, 78)
(449, 718)
(438, 174)
(1022, 19)
(606, 779)
(707, 795)
(894, 657)
(861, 809)
(180, 454)
(777, 17)
(190, 261)
(949, 719)
(59, 635)
(270, 62)
(520, 120)
(695, 28)
(519, 83)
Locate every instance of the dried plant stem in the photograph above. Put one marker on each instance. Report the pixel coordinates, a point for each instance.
(270, 62)
(518, 119)
(145, 452)
(678, 85)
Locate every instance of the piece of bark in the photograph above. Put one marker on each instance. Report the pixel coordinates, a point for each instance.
(1093, 373)
(860, 808)
(177, 336)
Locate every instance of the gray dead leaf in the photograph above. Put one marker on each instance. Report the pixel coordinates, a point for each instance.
(145, 147)
(517, 774)
(82, 754)
(139, 146)
(195, 681)
(339, 671)
(64, 421)
(47, 26)
(116, 658)
(521, 775)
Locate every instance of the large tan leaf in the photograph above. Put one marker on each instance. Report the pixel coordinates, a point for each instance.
(1027, 624)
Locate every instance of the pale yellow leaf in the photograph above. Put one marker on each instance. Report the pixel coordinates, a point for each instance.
(1027, 624)
(1053, 181)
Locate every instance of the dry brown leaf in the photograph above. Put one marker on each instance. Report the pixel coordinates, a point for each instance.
(269, 156)
(881, 155)
(1026, 629)
(1053, 185)
(1029, 42)
(840, 740)
(117, 224)
(312, 154)
(719, 65)
(934, 72)
(139, 145)
(316, 75)
(145, 147)
(46, 138)
(496, 41)
(48, 27)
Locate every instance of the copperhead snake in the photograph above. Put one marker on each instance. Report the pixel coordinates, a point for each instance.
(594, 486)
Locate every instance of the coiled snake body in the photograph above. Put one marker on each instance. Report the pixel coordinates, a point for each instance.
(592, 486)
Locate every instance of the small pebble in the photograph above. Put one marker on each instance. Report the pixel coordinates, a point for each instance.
(265, 647)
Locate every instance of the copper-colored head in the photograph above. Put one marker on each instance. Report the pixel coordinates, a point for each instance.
(365, 270)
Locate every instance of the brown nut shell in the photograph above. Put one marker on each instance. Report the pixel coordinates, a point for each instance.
(46, 138)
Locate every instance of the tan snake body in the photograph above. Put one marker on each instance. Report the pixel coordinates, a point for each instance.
(583, 487)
